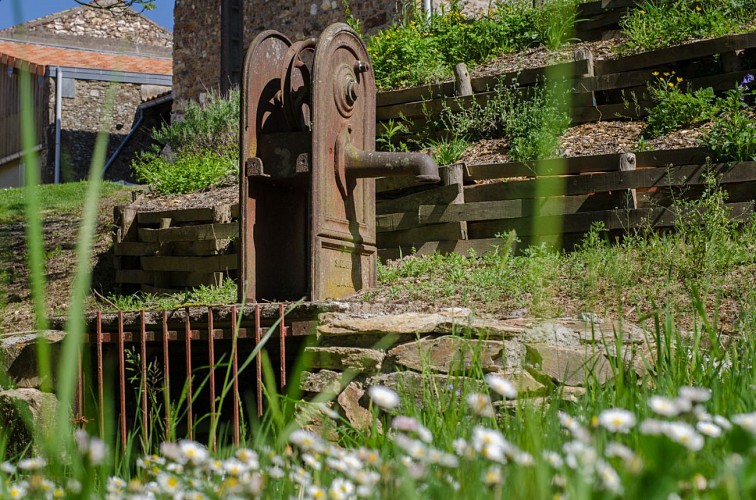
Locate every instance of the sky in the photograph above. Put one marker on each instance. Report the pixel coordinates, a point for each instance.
(32, 9)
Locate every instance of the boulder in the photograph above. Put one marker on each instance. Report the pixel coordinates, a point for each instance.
(26, 415)
(18, 356)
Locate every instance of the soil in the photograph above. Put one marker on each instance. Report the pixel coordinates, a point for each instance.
(60, 234)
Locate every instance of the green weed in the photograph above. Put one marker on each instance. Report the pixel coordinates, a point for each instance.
(189, 172)
(675, 109)
(654, 24)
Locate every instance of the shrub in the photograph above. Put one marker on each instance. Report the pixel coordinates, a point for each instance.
(532, 121)
(188, 173)
(674, 108)
(212, 126)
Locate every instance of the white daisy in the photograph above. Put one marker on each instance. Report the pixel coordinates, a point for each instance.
(384, 397)
(501, 386)
(617, 420)
(480, 404)
(665, 407)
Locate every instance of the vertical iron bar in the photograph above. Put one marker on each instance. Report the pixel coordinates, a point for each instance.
(258, 360)
(235, 361)
(211, 355)
(189, 372)
(166, 377)
(122, 378)
(143, 342)
(282, 335)
(100, 376)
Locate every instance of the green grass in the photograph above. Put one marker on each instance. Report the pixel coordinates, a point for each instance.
(54, 199)
(203, 295)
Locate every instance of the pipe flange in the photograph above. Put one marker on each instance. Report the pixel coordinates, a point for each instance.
(346, 89)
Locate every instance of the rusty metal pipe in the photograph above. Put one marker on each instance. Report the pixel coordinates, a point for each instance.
(362, 164)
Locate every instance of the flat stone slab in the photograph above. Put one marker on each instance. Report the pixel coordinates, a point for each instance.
(568, 366)
(449, 354)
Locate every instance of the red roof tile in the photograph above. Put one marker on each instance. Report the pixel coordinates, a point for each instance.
(39, 56)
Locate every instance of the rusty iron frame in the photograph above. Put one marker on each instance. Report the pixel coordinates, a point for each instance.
(161, 336)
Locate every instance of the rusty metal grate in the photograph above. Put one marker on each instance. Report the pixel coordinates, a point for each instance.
(173, 340)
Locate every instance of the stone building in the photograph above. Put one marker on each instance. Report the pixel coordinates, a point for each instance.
(78, 58)
(211, 35)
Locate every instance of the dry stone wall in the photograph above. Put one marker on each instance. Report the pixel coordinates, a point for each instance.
(446, 353)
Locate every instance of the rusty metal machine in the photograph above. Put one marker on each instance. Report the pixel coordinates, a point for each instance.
(307, 168)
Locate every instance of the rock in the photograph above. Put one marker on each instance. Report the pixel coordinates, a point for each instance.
(18, 355)
(416, 389)
(311, 417)
(590, 317)
(346, 358)
(449, 354)
(518, 404)
(527, 386)
(407, 323)
(320, 381)
(568, 366)
(349, 401)
(19, 407)
(572, 393)
(574, 333)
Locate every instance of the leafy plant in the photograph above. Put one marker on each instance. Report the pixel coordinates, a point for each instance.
(389, 139)
(188, 173)
(555, 22)
(674, 108)
(733, 135)
(448, 151)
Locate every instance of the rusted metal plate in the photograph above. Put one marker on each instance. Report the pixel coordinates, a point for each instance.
(343, 232)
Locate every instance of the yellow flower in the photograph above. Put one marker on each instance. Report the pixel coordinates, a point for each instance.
(642, 11)
(698, 8)
(679, 79)
(670, 84)
(655, 73)
(666, 73)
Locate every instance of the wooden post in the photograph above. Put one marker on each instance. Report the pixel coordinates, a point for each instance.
(455, 174)
(462, 84)
(629, 199)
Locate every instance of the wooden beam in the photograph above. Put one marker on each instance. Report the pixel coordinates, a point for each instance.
(682, 175)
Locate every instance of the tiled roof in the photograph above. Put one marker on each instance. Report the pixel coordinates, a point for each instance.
(40, 56)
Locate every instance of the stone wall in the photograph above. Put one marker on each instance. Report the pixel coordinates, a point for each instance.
(82, 118)
(440, 355)
(196, 50)
(197, 28)
(116, 23)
